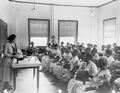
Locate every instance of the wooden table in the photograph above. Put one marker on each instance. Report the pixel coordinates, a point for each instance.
(30, 62)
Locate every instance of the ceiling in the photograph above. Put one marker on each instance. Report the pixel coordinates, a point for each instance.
(71, 2)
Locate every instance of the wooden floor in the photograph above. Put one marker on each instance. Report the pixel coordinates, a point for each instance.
(27, 84)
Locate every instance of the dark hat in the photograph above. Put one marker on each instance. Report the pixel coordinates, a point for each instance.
(11, 37)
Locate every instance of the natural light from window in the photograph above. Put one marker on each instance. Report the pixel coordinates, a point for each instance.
(109, 41)
(39, 41)
(67, 39)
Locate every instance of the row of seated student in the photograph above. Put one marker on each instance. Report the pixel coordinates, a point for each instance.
(68, 64)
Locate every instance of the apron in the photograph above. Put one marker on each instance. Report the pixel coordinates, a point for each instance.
(6, 63)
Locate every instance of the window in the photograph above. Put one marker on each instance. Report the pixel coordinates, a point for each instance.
(109, 31)
(39, 31)
(68, 30)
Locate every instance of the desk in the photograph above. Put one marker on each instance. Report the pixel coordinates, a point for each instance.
(31, 62)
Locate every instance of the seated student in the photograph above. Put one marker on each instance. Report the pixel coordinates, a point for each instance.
(115, 65)
(74, 61)
(53, 41)
(103, 76)
(64, 75)
(114, 46)
(90, 66)
(63, 54)
(73, 47)
(31, 49)
(67, 45)
(45, 54)
(76, 85)
(116, 85)
(48, 47)
(109, 47)
(46, 62)
(55, 50)
(95, 56)
(67, 58)
(87, 51)
(102, 51)
(58, 69)
(61, 46)
(110, 59)
(95, 48)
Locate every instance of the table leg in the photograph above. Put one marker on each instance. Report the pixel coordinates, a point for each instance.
(37, 79)
(14, 79)
(33, 72)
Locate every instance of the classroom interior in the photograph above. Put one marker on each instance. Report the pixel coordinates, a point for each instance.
(84, 21)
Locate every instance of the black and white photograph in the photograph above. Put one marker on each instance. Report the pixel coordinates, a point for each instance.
(59, 46)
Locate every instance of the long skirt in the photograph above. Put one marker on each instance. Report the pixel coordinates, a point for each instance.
(75, 86)
(46, 63)
(57, 69)
(6, 69)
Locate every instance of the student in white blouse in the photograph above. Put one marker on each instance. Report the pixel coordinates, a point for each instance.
(90, 66)
(74, 61)
(110, 59)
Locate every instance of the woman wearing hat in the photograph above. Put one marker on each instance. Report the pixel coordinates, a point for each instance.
(10, 50)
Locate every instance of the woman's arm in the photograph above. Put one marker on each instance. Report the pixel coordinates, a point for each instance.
(5, 51)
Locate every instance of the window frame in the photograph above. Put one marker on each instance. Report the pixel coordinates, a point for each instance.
(109, 31)
(76, 38)
(48, 38)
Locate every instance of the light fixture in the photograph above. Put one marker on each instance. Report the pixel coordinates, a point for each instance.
(92, 10)
(34, 8)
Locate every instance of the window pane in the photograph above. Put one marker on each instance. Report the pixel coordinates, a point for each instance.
(110, 34)
(39, 41)
(67, 39)
(109, 31)
(109, 41)
(39, 28)
(67, 28)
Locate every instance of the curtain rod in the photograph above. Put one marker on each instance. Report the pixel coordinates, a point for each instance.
(52, 4)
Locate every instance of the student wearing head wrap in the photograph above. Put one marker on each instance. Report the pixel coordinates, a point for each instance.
(10, 51)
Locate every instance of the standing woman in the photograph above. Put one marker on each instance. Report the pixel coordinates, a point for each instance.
(10, 50)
